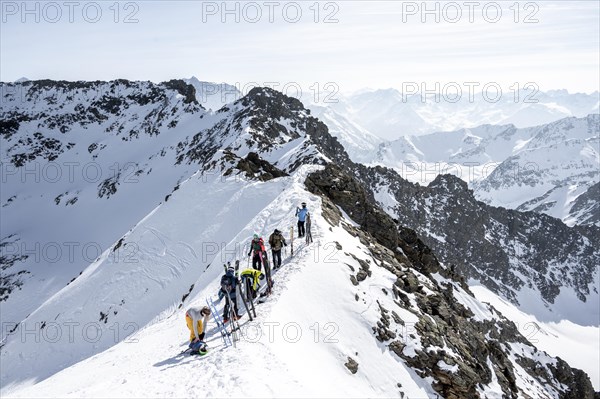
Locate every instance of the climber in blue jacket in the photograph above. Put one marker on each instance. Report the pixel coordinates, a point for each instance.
(301, 213)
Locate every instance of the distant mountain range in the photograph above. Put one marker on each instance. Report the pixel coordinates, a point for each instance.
(547, 168)
(390, 114)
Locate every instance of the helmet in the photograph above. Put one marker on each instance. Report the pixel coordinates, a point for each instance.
(276, 231)
(230, 269)
(255, 236)
(205, 311)
(261, 276)
(203, 350)
(304, 204)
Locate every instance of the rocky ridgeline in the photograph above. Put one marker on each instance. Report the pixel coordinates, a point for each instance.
(489, 243)
(262, 121)
(477, 349)
(128, 108)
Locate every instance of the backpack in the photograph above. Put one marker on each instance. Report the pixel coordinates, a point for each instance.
(276, 241)
(258, 245)
(199, 346)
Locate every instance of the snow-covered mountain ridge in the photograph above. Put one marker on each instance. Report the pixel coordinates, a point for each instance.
(407, 321)
(555, 175)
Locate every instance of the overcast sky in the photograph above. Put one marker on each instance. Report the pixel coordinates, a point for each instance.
(364, 44)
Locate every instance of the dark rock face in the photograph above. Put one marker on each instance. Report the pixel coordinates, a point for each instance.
(477, 350)
(490, 244)
(10, 280)
(255, 167)
(186, 90)
(36, 146)
(346, 191)
(578, 382)
(505, 250)
(351, 365)
(109, 186)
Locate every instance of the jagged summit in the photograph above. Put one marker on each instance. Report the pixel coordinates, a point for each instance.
(268, 122)
(449, 183)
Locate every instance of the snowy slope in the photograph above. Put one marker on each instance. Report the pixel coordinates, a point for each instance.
(176, 246)
(115, 144)
(288, 336)
(75, 154)
(150, 357)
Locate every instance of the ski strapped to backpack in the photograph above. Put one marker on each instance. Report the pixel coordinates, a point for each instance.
(292, 240)
(233, 328)
(249, 293)
(239, 289)
(267, 273)
(309, 238)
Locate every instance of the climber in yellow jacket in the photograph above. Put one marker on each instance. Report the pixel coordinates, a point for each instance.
(251, 279)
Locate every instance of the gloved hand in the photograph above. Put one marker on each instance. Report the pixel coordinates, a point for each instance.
(221, 296)
(285, 244)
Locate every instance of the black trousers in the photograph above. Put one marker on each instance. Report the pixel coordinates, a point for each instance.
(257, 261)
(276, 258)
(233, 300)
(301, 231)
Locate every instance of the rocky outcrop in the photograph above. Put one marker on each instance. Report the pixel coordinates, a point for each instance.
(351, 365)
(459, 351)
(186, 90)
(348, 193)
(62, 106)
(255, 167)
(10, 256)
